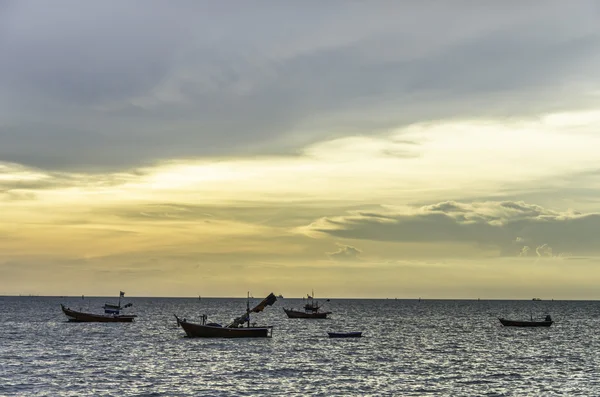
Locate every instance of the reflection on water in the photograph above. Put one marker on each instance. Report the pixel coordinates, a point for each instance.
(408, 348)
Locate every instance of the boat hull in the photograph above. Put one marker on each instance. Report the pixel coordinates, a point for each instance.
(345, 334)
(81, 317)
(514, 323)
(297, 314)
(207, 331)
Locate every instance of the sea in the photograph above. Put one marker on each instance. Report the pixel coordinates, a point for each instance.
(408, 348)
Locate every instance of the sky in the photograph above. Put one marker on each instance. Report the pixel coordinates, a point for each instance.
(358, 149)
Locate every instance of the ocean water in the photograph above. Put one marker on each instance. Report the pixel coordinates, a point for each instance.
(409, 348)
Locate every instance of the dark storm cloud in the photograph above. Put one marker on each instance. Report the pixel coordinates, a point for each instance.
(118, 84)
(506, 226)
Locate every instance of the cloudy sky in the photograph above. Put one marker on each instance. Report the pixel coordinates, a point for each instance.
(360, 149)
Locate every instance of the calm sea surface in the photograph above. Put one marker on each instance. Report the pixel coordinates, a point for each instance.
(409, 348)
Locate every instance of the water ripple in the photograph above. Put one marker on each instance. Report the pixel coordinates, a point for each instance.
(409, 348)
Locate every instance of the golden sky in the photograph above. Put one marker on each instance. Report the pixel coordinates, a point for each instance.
(380, 161)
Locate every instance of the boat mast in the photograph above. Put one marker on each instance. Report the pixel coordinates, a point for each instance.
(121, 294)
(248, 310)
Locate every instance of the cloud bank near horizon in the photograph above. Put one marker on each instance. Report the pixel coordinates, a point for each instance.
(511, 228)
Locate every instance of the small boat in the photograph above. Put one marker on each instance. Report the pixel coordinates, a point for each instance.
(112, 314)
(537, 299)
(516, 323)
(233, 330)
(81, 317)
(312, 309)
(291, 313)
(345, 334)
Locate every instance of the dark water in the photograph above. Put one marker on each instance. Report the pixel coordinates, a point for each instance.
(409, 348)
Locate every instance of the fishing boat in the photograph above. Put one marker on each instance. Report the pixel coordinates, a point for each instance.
(518, 323)
(311, 307)
(291, 313)
(234, 330)
(112, 314)
(81, 317)
(345, 334)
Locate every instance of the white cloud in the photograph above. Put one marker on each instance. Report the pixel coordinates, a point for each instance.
(525, 251)
(345, 252)
(426, 162)
(544, 250)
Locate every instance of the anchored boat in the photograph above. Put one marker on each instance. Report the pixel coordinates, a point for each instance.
(234, 330)
(312, 309)
(517, 323)
(345, 334)
(112, 314)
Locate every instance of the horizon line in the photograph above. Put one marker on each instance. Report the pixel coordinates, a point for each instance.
(321, 298)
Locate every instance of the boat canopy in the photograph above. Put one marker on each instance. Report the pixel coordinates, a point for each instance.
(268, 301)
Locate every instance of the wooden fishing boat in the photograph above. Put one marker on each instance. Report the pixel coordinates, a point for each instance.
(81, 317)
(518, 323)
(345, 334)
(112, 313)
(213, 330)
(291, 313)
(233, 330)
(312, 309)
